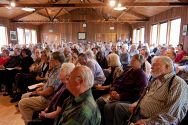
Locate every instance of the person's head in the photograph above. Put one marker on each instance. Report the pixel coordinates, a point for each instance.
(90, 54)
(45, 56)
(82, 58)
(66, 69)
(124, 48)
(137, 61)
(161, 65)
(81, 79)
(17, 51)
(163, 50)
(113, 60)
(37, 53)
(5, 53)
(171, 54)
(145, 53)
(56, 59)
(180, 47)
(26, 52)
(75, 53)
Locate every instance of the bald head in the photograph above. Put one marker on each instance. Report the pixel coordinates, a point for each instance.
(81, 79)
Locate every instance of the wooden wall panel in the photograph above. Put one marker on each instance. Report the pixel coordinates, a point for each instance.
(13, 27)
(68, 31)
(181, 12)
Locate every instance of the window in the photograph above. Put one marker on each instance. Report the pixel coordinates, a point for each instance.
(21, 38)
(154, 34)
(142, 30)
(163, 33)
(26, 36)
(34, 37)
(3, 36)
(137, 36)
(175, 31)
(134, 36)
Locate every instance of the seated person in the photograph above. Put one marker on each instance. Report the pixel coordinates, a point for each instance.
(164, 102)
(128, 87)
(36, 75)
(114, 72)
(80, 108)
(47, 116)
(23, 67)
(5, 57)
(99, 76)
(39, 99)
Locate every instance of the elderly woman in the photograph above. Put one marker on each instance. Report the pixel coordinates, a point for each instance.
(47, 116)
(5, 57)
(114, 70)
(127, 87)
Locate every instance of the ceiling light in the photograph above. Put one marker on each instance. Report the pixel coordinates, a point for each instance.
(112, 3)
(119, 7)
(28, 9)
(12, 4)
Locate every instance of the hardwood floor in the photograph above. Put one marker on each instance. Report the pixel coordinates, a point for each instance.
(9, 114)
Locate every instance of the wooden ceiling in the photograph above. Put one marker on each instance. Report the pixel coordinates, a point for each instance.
(65, 11)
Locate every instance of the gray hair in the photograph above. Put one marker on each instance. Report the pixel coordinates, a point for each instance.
(90, 54)
(87, 75)
(166, 61)
(59, 56)
(113, 60)
(67, 67)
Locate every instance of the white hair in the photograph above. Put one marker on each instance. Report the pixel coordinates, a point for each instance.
(90, 54)
(166, 61)
(113, 60)
(67, 67)
(87, 75)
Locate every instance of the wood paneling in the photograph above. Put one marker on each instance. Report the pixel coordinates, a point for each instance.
(68, 31)
(13, 27)
(181, 12)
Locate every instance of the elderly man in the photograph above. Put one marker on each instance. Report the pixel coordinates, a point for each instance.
(99, 76)
(39, 99)
(165, 102)
(81, 108)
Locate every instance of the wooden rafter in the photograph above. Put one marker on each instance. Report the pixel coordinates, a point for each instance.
(88, 1)
(68, 1)
(91, 5)
(47, 13)
(42, 14)
(69, 21)
(57, 14)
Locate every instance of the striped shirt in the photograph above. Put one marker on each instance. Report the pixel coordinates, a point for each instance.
(163, 106)
(81, 110)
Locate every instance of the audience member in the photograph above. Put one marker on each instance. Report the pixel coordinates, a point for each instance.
(80, 108)
(39, 99)
(165, 102)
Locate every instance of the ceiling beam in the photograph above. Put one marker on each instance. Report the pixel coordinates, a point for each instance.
(42, 14)
(25, 14)
(130, 11)
(71, 21)
(47, 13)
(90, 5)
(57, 14)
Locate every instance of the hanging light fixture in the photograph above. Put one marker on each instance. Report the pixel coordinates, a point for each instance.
(119, 7)
(12, 4)
(112, 3)
(28, 9)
